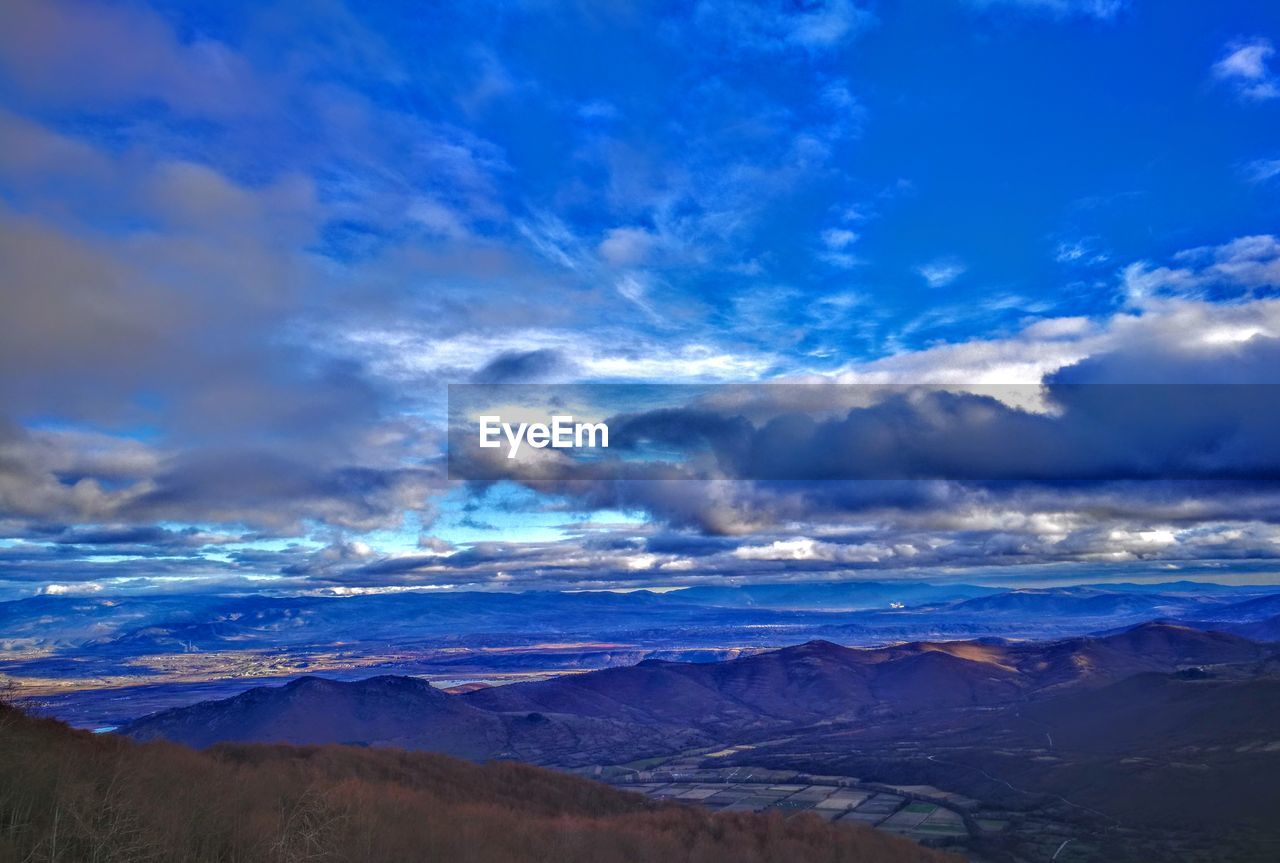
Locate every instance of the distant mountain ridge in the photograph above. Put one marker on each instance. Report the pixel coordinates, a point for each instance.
(655, 707)
(845, 595)
(133, 623)
(87, 659)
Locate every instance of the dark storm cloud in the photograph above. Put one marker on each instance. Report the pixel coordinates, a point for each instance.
(116, 537)
(226, 486)
(1099, 432)
(1252, 361)
(744, 508)
(687, 544)
(1099, 448)
(1116, 431)
(1169, 452)
(49, 478)
(25, 564)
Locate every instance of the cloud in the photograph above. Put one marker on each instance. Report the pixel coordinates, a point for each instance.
(849, 527)
(408, 356)
(774, 26)
(523, 367)
(836, 243)
(553, 239)
(1247, 266)
(598, 110)
(438, 219)
(1262, 170)
(825, 25)
(212, 265)
(839, 238)
(941, 272)
(627, 247)
(135, 483)
(634, 287)
(1100, 9)
(1081, 252)
(53, 589)
(160, 285)
(123, 54)
(947, 523)
(1145, 429)
(1246, 66)
(241, 256)
(65, 477)
(807, 549)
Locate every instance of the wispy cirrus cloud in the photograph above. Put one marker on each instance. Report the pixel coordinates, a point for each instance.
(1080, 252)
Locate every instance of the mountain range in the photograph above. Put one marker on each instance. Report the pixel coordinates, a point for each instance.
(619, 714)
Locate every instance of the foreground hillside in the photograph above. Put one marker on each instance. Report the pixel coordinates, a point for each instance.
(71, 796)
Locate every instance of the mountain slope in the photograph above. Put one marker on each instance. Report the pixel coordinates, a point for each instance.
(1155, 646)
(820, 681)
(1179, 750)
(380, 711)
(74, 797)
(405, 713)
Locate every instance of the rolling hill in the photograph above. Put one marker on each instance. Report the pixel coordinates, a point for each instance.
(380, 711)
(405, 713)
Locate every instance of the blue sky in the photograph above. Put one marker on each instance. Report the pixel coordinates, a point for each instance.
(244, 247)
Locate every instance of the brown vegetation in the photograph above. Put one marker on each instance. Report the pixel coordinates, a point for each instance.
(72, 796)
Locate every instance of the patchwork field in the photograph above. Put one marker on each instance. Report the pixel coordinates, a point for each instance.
(942, 815)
